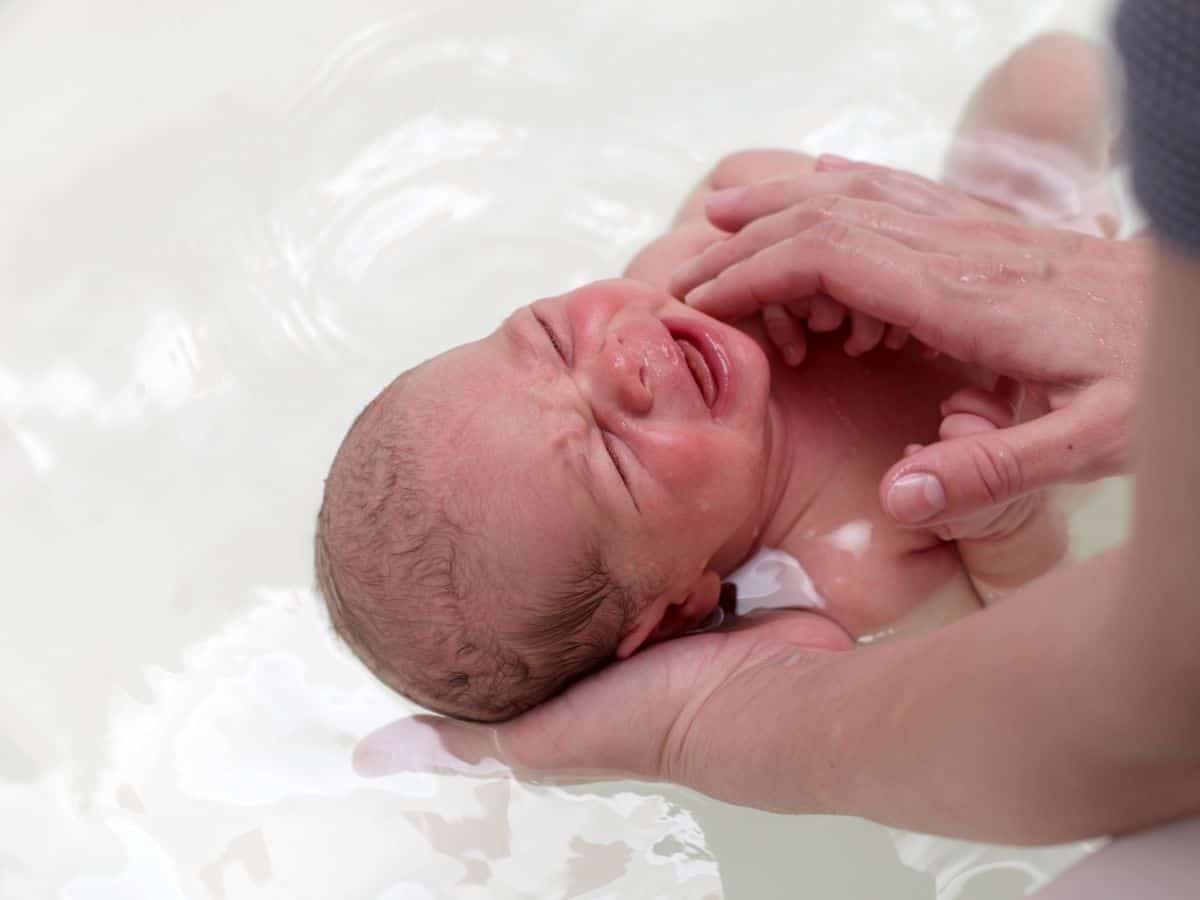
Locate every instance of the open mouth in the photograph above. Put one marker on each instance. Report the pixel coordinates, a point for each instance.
(705, 380)
(706, 358)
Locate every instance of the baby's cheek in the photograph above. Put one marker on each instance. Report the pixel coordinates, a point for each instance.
(710, 471)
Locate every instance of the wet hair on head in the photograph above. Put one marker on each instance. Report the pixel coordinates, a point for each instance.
(408, 590)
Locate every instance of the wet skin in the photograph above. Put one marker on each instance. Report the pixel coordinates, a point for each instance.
(614, 417)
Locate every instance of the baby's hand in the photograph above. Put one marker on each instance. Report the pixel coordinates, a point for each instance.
(787, 323)
(972, 411)
(759, 214)
(1007, 546)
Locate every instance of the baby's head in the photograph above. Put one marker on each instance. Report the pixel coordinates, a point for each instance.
(520, 510)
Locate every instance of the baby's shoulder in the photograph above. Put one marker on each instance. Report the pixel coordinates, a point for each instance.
(868, 583)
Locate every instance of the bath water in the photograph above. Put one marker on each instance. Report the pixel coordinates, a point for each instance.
(223, 227)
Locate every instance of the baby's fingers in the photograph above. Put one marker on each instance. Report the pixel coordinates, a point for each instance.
(896, 338)
(958, 425)
(1000, 406)
(825, 314)
(974, 410)
(865, 334)
(786, 333)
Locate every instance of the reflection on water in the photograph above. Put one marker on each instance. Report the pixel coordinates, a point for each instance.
(219, 239)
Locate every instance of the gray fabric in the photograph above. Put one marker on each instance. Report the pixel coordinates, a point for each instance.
(1159, 41)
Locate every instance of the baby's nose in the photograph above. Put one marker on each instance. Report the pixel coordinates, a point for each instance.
(621, 378)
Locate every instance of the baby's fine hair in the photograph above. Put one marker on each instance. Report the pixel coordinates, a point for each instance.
(409, 590)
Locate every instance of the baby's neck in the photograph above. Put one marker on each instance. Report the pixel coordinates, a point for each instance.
(810, 467)
(811, 477)
(836, 425)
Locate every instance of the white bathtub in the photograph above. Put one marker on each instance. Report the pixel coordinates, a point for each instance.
(222, 227)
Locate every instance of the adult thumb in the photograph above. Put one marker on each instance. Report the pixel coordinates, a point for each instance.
(954, 478)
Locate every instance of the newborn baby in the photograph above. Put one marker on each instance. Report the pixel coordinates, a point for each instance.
(517, 511)
(521, 510)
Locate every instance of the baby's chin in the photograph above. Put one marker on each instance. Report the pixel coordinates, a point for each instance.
(753, 370)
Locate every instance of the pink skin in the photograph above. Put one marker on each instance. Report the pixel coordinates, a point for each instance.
(704, 489)
(601, 434)
(707, 487)
(740, 713)
(930, 274)
(895, 247)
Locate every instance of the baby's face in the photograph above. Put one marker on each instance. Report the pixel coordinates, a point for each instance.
(612, 417)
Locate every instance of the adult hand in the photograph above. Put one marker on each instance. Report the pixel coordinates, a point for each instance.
(662, 714)
(1061, 313)
(732, 209)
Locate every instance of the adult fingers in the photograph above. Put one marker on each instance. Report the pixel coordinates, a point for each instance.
(981, 251)
(832, 162)
(885, 219)
(734, 208)
(433, 744)
(856, 267)
(441, 746)
(955, 478)
(757, 237)
(633, 718)
(934, 295)
(942, 199)
(562, 741)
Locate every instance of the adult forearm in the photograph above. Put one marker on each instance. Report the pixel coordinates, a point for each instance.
(1071, 709)
(1005, 726)
(1163, 576)
(1097, 728)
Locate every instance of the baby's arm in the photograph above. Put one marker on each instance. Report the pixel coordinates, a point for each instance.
(999, 565)
(1005, 548)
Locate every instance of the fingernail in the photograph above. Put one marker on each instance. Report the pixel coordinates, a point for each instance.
(916, 498)
(722, 202)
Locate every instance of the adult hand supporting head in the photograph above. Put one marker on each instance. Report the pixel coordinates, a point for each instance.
(752, 716)
(1059, 312)
(662, 714)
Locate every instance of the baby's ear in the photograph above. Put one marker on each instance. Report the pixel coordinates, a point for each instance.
(673, 614)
